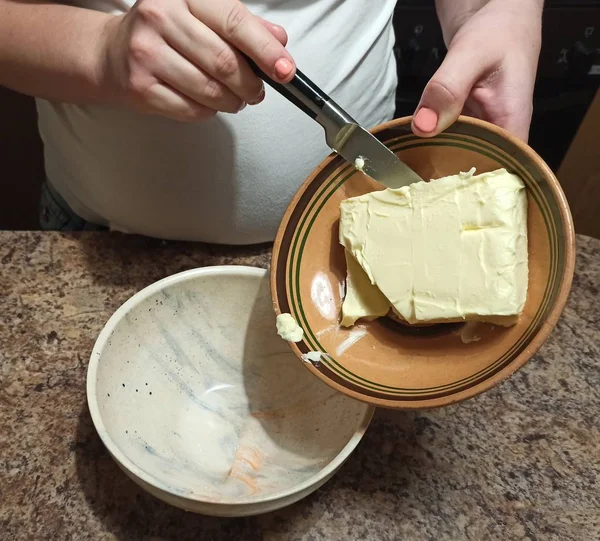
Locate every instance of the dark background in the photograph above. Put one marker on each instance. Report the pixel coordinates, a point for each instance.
(568, 78)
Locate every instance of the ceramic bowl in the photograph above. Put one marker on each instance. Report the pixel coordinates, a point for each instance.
(203, 405)
(384, 362)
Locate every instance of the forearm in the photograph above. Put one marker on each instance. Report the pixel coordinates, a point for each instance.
(52, 51)
(452, 14)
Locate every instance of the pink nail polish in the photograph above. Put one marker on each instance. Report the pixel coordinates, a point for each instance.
(426, 120)
(283, 67)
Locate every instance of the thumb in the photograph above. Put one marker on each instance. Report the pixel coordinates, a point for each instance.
(446, 93)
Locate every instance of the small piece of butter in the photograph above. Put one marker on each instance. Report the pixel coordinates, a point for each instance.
(288, 329)
(359, 164)
(452, 249)
(312, 357)
(362, 300)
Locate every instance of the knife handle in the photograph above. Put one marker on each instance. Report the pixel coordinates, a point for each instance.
(310, 99)
(301, 91)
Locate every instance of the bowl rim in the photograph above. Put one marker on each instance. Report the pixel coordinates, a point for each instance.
(538, 340)
(121, 458)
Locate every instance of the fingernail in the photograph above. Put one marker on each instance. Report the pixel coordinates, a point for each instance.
(283, 67)
(426, 120)
(259, 99)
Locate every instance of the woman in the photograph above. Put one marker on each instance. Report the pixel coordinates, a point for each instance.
(143, 113)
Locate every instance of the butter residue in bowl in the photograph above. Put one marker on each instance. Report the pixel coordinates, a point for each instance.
(453, 249)
(288, 328)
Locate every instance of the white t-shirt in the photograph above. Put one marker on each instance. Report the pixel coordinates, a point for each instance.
(227, 180)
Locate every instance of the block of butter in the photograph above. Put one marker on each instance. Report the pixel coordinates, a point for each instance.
(453, 249)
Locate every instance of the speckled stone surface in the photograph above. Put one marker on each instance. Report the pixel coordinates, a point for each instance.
(520, 462)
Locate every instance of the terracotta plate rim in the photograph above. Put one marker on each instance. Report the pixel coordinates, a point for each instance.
(536, 341)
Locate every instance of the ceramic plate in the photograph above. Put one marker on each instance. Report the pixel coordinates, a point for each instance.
(392, 365)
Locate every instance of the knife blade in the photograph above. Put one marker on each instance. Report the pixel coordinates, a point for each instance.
(343, 134)
(369, 155)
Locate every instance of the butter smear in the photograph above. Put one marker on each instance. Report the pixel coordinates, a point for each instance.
(453, 249)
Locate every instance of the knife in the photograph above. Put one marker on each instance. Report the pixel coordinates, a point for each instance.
(343, 134)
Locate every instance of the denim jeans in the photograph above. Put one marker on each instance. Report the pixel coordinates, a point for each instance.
(56, 215)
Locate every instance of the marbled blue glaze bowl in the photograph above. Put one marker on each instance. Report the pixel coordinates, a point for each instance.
(204, 406)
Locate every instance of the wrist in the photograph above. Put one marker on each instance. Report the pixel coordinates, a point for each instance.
(453, 15)
(101, 71)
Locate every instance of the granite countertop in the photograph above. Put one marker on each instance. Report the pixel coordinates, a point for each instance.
(519, 462)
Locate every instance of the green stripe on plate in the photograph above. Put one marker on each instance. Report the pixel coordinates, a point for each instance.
(325, 192)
